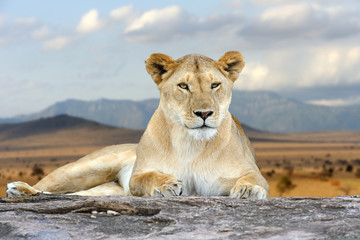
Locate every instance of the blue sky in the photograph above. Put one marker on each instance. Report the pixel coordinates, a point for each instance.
(54, 50)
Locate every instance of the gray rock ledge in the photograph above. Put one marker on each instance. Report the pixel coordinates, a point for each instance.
(74, 217)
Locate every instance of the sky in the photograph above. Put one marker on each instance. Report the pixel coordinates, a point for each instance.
(51, 51)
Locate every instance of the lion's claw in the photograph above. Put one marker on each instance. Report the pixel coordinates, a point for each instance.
(249, 191)
(170, 188)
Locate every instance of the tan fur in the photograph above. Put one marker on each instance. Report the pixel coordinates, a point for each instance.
(90, 171)
(105, 189)
(173, 147)
(192, 145)
(22, 188)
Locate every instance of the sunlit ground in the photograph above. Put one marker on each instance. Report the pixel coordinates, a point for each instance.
(292, 169)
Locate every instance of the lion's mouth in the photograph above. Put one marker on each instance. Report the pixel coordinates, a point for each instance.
(204, 126)
(203, 132)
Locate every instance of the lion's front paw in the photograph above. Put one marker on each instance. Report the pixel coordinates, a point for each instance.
(249, 191)
(169, 188)
(16, 189)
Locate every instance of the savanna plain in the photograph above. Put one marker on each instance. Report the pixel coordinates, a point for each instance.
(314, 164)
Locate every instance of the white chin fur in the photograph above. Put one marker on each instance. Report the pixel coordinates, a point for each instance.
(203, 134)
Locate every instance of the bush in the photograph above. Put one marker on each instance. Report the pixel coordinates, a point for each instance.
(37, 171)
(284, 184)
(349, 168)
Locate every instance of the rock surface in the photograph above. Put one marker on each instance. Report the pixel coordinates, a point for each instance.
(113, 217)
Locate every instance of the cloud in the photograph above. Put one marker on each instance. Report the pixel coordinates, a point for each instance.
(41, 33)
(336, 102)
(57, 43)
(305, 20)
(157, 24)
(125, 13)
(255, 76)
(26, 21)
(305, 67)
(278, 22)
(333, 65)
(155, 16)
(14, 31)
(173, 22)
(234, 3)
(14, 85)
(90, 22)
(288, 65)
(269, 2)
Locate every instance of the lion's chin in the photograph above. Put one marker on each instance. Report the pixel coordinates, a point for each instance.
(202, 134)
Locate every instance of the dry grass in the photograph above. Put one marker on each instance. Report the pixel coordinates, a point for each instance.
(326, 165)
(316, 169)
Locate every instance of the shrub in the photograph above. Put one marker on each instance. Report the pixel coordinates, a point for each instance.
(284, 184)
(36, 170)
(349, 168)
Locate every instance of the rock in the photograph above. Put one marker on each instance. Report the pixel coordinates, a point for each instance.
(112, 213)
(74, 217)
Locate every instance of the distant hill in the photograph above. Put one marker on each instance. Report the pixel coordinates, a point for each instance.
(68, 129)
(266, 111)
(119, 113)
(270, 112)
(45, 125)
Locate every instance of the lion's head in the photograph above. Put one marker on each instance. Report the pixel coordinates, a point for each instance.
(195, 90)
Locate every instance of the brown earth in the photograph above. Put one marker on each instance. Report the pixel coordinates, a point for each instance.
(319, 164)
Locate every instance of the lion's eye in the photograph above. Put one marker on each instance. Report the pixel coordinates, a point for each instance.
(183, 86)
(215, 85)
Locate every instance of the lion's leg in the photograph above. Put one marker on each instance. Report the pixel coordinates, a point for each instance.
(111, 188)
(94, 169)
(16, 189)
(121, 187)
(250, 186)
(105, 189)
(155, 184)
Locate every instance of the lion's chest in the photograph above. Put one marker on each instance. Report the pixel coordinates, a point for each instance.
(191, 163)
(198, 180)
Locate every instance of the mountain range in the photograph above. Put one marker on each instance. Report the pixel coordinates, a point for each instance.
(63, 130)
(262, 110)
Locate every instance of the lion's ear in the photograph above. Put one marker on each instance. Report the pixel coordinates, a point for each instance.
(157, 65)
(232, 64)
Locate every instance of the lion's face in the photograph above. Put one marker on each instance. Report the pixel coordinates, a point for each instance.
(197, 96)
(195, 90)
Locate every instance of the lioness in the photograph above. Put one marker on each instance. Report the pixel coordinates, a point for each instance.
(191, 146)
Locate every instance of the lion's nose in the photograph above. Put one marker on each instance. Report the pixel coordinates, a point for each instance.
(204, 115)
